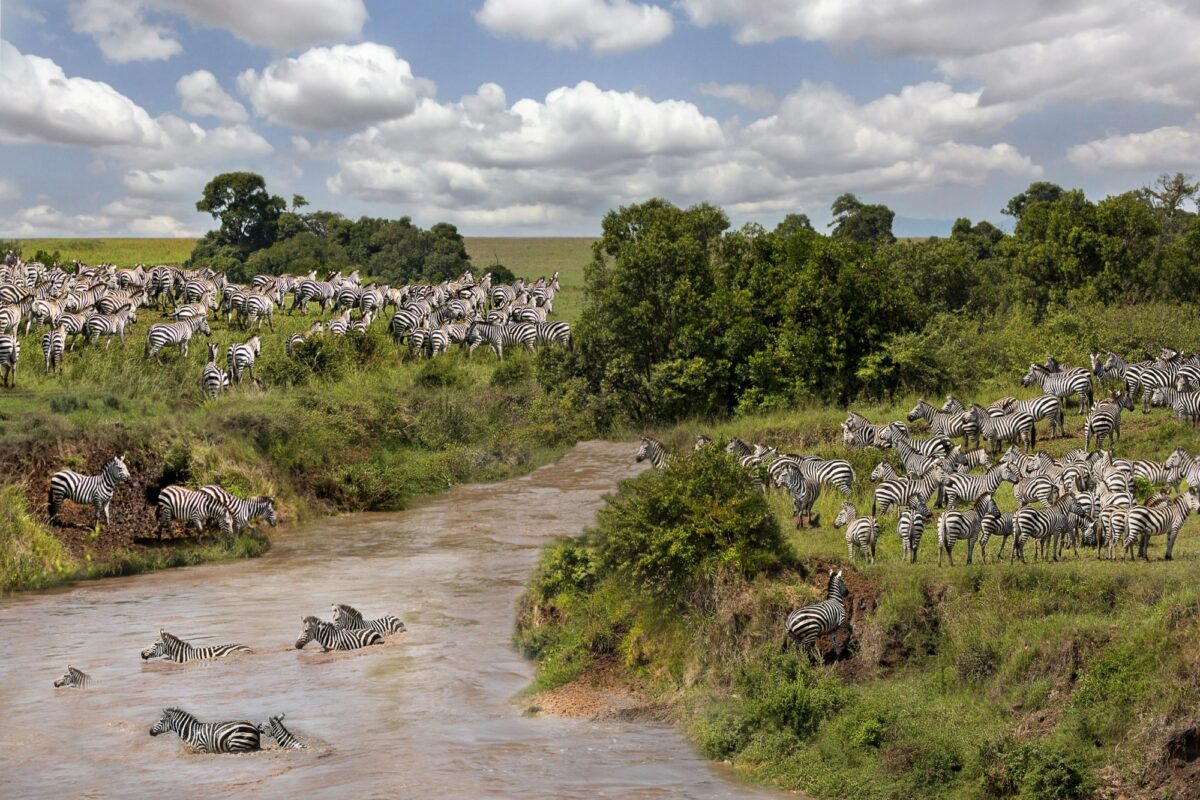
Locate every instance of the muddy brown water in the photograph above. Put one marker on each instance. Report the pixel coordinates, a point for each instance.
(430, 714)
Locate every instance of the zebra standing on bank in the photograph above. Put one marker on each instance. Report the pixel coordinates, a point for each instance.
(316, 329)
(283, 737)
(174, 334)
(256, 308)
(213, 379)
(901, 492)
(966, 525)
(54, 345)
(240, 358)
(73, 679)
(959, 461)
(172, 648)
(1077, 382)
(1142, 522)
(242, 511)
(348, 618)
(178, 502)
(804, 493)
(969, 488)
(10, 353)
(654, 451)
(995, 525)
(911, 527)
(860, 531)
(331, 638)
(805, 624)
(558, 333)
(1046, 525)
(209, 737)
(94, 490)
(1105, 420)
(835, 473)
(1047, 407)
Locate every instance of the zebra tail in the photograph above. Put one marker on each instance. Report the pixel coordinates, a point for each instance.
(1033, 436)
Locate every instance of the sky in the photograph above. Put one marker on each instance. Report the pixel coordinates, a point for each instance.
(535, 117)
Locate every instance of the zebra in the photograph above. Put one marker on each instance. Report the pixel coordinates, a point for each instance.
(94, 490)
(1008, 428)
(256, 308)
(969, 488)
(1062, 384)
(884, 471)
(242, 511)
(1183, 466)
(558, 333)
(10, 353)
(949, 422)
(1142, 522)
(959, 461)
(911, 526)
(348, 618)
(339, 326)
(109, 325)
(1047, 407)
(936, 446)
(498, 337)
(239, 358)
(1035, 488)
(702, 441)
(54, 345)
(804, 492)
(861, 531)
(857, 431)
(171, 648)
(209, 737)
(213, 379)
(1105, 420)
(1165, 396)
(534, 314)
(915, 463)
(316, 329)
(310, 289)
(654, 451)
(170, 334)
(1186, 405)
(805, 624)
(968, 525)
(331, 638)
(1043, 524)
(283, 737)
(832, 472)
(900, 492)
(73, 679)
(178, 502)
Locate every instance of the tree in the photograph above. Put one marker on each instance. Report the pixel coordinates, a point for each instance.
(1038, 192)
(860, 222)
(248, 213)
(1166, 198)
(793, 224)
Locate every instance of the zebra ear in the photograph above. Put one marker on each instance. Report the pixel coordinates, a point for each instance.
(161, 633)
(831, 573)
(839, 573)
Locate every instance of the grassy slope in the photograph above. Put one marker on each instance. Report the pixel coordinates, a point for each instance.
(384, 429)
(963, 677)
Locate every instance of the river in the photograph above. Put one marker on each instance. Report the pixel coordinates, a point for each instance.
(428, 715)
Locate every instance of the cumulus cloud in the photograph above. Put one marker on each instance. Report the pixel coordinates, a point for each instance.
(325, 88)
(754, 97)
(607, 26)
(1167, 147)
(10, 192)
(122, 217)
(202, 96)
(123, 32)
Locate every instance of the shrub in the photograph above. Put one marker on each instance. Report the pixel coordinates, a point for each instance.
(566, 566)
(724, 732)
(440, 373)
(512, 372)
(784, 691)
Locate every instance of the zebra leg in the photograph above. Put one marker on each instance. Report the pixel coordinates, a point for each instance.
(1171, 542)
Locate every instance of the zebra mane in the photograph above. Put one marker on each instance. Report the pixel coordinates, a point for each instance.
(349, 611)
(168, 638)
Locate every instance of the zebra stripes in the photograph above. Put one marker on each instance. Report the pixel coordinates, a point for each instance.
(189, 505)
(860, 531)
(1143, 522)
(1062, 384)
(54, 345)
(1186, 405)
(969, 488)
(1047, 525)
(331, 638)
(174, 334)
(805, 624)
(209, 737)
(1105, 420)
(73, 679)
(348, 618)
(10, 353)
(1014, 427)
(94, 490)
(239, 358)
(901, 492)
(213, 379)
(966, 525)
(949, 422)
(654, 451)
(242, 511)
(283, 737)
(497, 337)
(172, 648)
(911, 527)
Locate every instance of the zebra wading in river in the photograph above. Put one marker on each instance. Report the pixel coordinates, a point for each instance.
(209, 737)
(805, 624)
(654, 451)
(73, 679)
(282, 736)
(331, 638)
(172, 648)
(348, 618)
(94, 490)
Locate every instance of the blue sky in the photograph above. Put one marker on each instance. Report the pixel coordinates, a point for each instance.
(525, 117)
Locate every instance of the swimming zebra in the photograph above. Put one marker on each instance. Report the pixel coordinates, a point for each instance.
(900, 492)
(969, 488)
(498, 337)
(654, 451)
(554, 333)
(1062, 384)
(178, 502)
(283, 737)
(239, 358)
(94, 490)
(348, 618)
(860, 531)
(174, 334)
(213, 379)
(949, 422)
(54, 344)
(331, 638)
(1046, 525)
(1105, 420)
(73, 679)
(209, 737)
(911, 526)
(1013, 427)
(1186, 405)
(171, 648)
(10, 353)
(242, 511)
(805, 624)
(966, 525)
(1142, 522)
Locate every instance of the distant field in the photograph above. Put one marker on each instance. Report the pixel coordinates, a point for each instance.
(122, 252)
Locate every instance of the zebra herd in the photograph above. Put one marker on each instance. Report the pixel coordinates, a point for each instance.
(95, 303)
(348, 631)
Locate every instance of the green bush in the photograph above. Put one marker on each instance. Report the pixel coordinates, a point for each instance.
(566, 566)
(1031, 770)
(723, 732)
(441, 373)
(787, 692)
(512, 372)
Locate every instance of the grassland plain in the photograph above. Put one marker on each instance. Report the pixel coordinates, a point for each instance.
(353, 424)
(1079, 678)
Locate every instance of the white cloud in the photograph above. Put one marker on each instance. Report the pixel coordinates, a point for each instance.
(127, 217)
(203, 96)
(1168, 147)
(301, 145)
(172, 183)
(10, 192)
(345, 86)
(754, 97)
(123, 33)
(607, 26)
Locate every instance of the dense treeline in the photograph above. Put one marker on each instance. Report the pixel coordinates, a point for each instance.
(687, 316)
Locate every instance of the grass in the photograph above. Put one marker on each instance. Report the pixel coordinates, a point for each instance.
(124, 252)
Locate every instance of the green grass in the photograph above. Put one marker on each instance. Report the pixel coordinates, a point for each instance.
(533, 257)
(124, 252)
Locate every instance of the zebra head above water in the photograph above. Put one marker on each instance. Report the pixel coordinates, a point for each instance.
(156, 650)
(73, 679)
(312, 626)
(275, 729)
(169, 720)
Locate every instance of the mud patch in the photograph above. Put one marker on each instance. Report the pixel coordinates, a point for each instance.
(604, 692)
